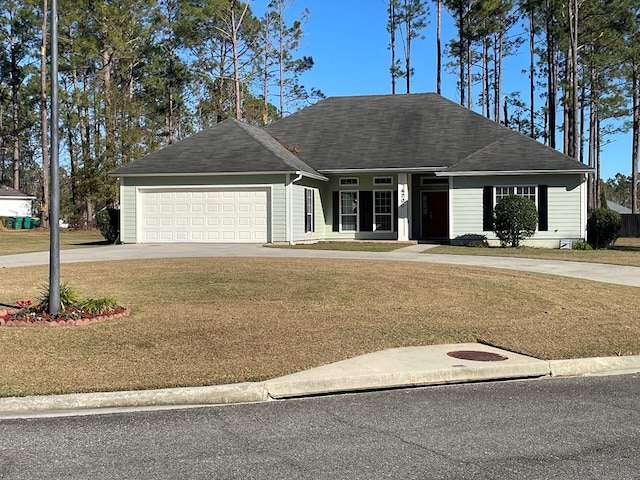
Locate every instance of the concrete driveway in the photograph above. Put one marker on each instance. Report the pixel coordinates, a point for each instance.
(616, 274)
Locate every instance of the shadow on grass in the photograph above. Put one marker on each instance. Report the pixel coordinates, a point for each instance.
(627, 248)
(92, 244)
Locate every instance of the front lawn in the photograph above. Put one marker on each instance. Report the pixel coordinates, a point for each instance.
(37, 240)
(355, 246)
(625, 252)
(205, 321)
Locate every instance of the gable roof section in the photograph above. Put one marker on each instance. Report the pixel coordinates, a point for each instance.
(8, 192)
(410, 132)
(228, 147)
(515, 152)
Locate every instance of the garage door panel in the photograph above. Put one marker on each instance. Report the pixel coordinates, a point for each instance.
(214, 215)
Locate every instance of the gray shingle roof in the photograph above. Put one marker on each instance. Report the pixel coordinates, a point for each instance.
(378, 132)
(228, 147)
(514, 152)
(6, 191)
(412, 132)
(616, 207)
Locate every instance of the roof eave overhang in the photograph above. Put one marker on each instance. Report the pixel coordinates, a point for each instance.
(380, 170)
(221, 174)
(482, 173)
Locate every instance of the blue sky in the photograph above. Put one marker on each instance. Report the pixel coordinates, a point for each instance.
(348, 42)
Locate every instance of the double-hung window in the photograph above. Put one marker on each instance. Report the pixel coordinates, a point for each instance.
(527, 192)
(383, 210)
(309, 211)
(349, 211)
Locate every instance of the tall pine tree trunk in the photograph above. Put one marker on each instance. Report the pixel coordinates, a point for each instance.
(635, 149)
(44, 125)
(532, 73)
(392, 33)
(439, 50)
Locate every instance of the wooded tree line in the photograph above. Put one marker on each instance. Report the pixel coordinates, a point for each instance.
(583, 68)
(136, 75)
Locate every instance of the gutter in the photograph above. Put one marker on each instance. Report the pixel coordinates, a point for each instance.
(290, 205)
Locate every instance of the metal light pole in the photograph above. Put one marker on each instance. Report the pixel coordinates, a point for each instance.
(54, 175)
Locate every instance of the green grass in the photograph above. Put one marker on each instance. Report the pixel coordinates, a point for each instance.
(357, 246)
(205, 321)
(625, 252)
(37, 240)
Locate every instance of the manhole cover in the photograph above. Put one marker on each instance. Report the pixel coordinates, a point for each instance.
(477, 355)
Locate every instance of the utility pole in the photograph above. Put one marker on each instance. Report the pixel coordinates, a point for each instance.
(54, 204)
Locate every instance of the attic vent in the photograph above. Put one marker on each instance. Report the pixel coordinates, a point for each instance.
(295, 149)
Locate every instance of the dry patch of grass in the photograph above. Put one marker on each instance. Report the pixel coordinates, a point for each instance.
(37, 240)
(625, 252)
(208, 321)
(355, 246)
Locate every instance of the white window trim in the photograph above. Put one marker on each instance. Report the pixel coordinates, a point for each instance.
(357, 214)
(515, 187)
(375, 229)
(386, 181)
(312, 213)
(348, 181)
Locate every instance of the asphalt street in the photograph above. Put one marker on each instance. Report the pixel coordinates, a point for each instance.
(571, 428)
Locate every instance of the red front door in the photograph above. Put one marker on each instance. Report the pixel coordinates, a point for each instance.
(435, 215)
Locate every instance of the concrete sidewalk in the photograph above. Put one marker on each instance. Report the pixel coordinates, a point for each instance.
(616, 274)
(392, 368)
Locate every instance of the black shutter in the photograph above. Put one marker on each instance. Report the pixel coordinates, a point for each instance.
(365, 211)
(396, 210)
(487, 208)
(543, 208)
(336, 211)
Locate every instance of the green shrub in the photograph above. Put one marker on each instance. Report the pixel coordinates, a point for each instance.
(98, 305)
(478, 244)
(603, 227)
(515, 220)
(69, 297)
(581, 245)
(105, 225)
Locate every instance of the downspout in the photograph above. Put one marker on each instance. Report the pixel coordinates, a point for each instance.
(290, 205)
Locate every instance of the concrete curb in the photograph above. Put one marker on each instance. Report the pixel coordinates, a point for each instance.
(590, 366)
(290, 386)
(214, 395)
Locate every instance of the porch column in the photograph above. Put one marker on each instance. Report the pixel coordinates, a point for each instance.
(403, 208)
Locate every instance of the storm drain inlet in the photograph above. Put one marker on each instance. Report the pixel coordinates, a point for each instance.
(477, 356)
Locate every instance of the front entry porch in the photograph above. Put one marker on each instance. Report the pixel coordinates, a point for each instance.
(429, 208)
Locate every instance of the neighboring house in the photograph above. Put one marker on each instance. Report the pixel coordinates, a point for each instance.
(14, 203)
(616, 207)
(392, 167)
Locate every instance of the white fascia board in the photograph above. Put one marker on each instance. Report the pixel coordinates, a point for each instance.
(489, 173)
(382, 170)
(26, 197)
(216, 174)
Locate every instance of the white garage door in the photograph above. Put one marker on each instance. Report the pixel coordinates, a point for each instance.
(203, 215)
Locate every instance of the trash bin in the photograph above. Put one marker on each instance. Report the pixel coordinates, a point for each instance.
(10, 223)
(17, 223)
(26, 223)
(35, 222)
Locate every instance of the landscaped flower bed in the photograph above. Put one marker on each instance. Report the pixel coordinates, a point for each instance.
(70, 317)
(73, 311)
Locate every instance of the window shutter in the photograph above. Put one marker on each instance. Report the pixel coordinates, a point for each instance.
(543, 208)
(336, 211)
(365, 210)
(396, 209)
(487, 208)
